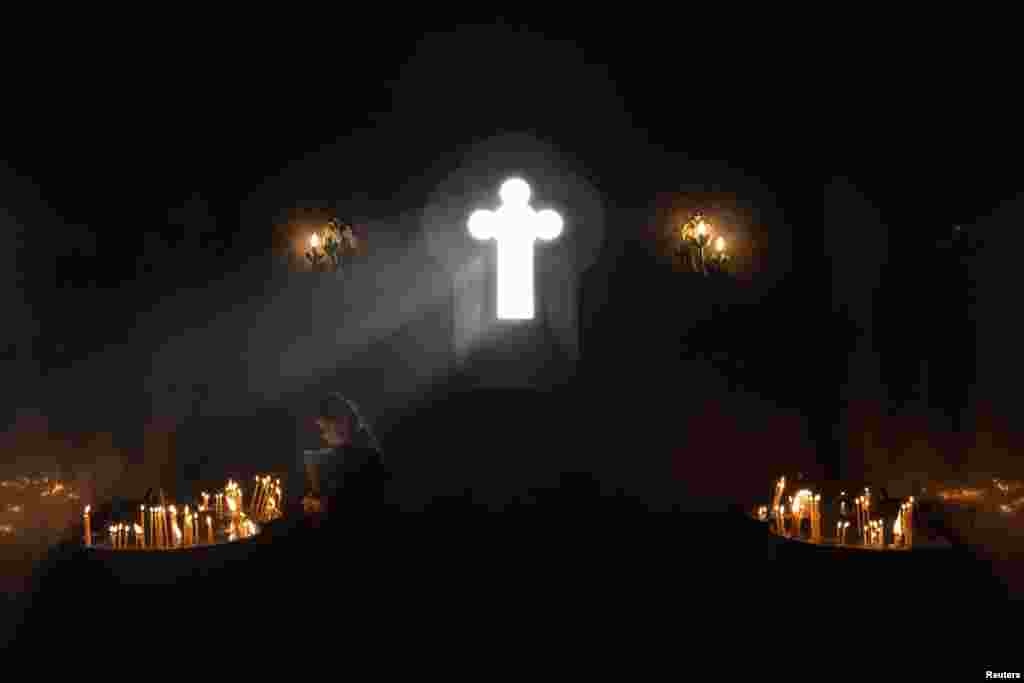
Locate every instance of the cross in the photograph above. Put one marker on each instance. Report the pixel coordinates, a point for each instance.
(515, 226)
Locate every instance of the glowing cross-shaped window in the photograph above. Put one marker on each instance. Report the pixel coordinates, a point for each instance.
(515, 226)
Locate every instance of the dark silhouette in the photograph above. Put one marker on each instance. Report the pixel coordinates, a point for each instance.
(348, 470)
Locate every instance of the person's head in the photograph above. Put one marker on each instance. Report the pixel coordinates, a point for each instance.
(335, 420)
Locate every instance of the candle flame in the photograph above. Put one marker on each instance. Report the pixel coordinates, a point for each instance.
(138, 529)
(87, 508)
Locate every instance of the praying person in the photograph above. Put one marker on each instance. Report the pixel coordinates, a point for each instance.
(347, 470)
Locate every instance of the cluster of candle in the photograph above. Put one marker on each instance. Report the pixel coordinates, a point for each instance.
(869, 531)
(36, 510)
(47, 487)
(962, 495)
(806, 505)
(903, 526)
(1011, 507)
(266, 503)
(166, 527)
(159, 527)
(997, 495)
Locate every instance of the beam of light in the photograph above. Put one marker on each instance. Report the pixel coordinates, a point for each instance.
(515, 227)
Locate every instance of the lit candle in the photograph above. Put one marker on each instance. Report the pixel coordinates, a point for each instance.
(233, 507)
(817, 518)
(814, 523)
(254, 502)
(776, 498)
(140, 536)
(910, 520)
(142, 520)
(188, 526)
(172, 526)
(88, 526)
(209, 530)
(113, 536)
(812, 515)
(856, 509)
(268, 495)
(867, 508)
